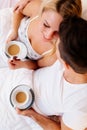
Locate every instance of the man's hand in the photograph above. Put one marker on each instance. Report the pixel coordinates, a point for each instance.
(43, 121)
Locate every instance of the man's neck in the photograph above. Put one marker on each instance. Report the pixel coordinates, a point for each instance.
(74, 77)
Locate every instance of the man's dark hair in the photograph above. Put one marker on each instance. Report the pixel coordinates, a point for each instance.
(73, 43)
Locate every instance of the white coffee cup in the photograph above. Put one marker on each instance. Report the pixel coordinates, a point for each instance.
(15, 49)
(22, 97)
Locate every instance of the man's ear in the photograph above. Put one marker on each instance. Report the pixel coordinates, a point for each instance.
(66, 65)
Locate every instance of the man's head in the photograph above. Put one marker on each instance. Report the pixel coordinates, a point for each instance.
(73, 43)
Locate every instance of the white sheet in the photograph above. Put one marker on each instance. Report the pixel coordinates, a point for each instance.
(9, 119)
(5, 27)
(7, 3)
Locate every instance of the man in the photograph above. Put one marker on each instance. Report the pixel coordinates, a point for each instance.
(62, 91)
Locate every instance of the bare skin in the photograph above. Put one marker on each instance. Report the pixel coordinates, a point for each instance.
(20, 5)
(47, 31)
(45, 122)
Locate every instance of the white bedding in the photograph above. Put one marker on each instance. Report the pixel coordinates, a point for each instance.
(9, 119)
(7, 3)
(5, 28)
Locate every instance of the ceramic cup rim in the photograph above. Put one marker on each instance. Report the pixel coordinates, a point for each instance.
(30, 97)
(22, 52)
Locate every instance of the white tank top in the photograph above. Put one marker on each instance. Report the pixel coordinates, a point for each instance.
(23, 37)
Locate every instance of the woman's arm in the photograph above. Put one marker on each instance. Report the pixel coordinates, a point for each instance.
(30, 10)
(29, 64)
(17, 17)
(16, 64)
(20, 5)
(24, 6)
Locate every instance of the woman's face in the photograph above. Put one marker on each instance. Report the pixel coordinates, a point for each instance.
(49, 24)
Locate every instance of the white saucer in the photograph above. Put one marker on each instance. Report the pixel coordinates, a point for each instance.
(22, 54)
(30, 97)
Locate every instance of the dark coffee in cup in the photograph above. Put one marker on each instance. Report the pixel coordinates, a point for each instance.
(13, 49)
(21, 97)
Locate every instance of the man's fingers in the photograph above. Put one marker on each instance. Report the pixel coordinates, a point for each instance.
(24, 112)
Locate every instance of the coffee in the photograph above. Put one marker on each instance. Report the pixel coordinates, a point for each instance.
(13, 49)
(21, 97)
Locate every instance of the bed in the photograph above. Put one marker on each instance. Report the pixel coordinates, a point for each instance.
(7, 3)
(9, 119)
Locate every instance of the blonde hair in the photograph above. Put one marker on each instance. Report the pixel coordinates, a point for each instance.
(48, 5)
(65, 8)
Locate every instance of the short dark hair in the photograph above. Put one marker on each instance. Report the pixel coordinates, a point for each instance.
(73, 43)
(69, 7)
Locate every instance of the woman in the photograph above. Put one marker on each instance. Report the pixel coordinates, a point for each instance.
(43, 44)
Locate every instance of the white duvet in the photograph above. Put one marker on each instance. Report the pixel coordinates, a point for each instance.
(7, 3)
(9, 119)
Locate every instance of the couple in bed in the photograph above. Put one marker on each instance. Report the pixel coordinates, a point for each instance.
(61, 88)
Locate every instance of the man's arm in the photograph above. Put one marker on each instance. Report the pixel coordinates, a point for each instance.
(64, 127)
(44, 122)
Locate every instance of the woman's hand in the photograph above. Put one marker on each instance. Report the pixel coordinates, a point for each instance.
(17, 63)
(43, 121)
(20, 5)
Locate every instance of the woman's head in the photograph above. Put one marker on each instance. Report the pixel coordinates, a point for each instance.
(54, 11)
